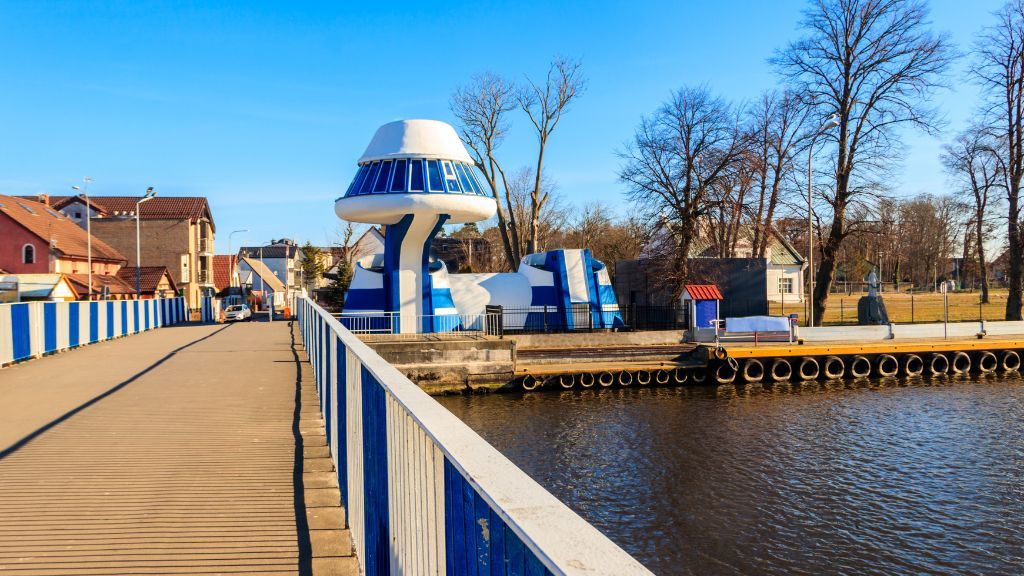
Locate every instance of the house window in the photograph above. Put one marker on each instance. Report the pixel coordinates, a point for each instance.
(78, 215)
(785, 285)
(28, 254)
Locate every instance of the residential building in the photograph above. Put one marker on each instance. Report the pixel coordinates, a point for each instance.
(37, 238)
(262, 284)
(225, 274)
(749, 284)
(106, 287)
(45, 287)
(176, 232)
(281, 257)
(153, 281)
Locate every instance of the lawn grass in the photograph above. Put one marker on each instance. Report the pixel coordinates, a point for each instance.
(906, 308)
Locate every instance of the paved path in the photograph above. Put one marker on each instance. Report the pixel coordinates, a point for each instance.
(189, 449)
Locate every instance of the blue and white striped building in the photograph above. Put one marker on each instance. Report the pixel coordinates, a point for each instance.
(414, 178)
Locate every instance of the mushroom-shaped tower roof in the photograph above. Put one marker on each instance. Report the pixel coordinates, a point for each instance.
(415, 139)
(415, 167)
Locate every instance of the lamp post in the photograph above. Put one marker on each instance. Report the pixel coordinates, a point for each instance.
(830, 123)
(231, 260)
(84, 188)
(150, 194)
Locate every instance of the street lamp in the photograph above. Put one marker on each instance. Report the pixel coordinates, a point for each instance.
(84, 188)
(150, 194)
(829, 124)
(231, 260)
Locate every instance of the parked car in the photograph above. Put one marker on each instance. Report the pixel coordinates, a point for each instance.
(237, 312)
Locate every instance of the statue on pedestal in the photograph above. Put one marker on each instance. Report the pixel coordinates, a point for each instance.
(871, 308)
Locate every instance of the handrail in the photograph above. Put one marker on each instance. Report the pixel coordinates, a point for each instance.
(427, 500)
(32, 329)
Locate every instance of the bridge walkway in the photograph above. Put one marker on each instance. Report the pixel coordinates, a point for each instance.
(192, 449)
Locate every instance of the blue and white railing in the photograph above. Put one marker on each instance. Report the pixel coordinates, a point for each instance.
(424, 493)
(32, 329)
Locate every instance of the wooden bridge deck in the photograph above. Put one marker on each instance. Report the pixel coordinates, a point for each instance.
(185, 450)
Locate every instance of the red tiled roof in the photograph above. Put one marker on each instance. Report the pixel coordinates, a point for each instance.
(703, 292)
(159, 208)
(222, 265)
(99, 281)
(149, 280)
(51, 226)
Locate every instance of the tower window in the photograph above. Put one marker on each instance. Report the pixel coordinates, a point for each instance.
(28, 254)
(398, 181)
(416, 178)
(370, 179)
(467, 184)
(382, 179)
(357, 183)
(435, 176)
(450, 178)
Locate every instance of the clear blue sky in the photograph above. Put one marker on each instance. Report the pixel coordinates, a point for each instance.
(264, 106)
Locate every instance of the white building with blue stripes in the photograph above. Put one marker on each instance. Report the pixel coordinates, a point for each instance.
(416, 176)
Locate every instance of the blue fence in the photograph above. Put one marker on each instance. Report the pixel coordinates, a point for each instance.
(424, 493)
(31, 329)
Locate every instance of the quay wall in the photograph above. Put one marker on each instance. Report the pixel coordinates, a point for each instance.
(33, 329)
(425, 494)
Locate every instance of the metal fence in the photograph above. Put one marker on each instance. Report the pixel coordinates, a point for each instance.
(424, 493)
(32, 329)
(398, 326)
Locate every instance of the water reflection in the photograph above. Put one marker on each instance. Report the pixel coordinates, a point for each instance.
(890, 476)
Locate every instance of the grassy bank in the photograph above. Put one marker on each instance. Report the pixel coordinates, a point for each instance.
(904, 308)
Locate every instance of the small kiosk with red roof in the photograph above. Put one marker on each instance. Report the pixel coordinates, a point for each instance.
(702, 301)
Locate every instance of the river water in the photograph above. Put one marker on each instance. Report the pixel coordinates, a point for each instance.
(894, 477)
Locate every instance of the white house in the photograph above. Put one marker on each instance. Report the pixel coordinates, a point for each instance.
(784, 266)
(282, 257)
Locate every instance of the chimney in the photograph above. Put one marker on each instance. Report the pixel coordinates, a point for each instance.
(43, 199)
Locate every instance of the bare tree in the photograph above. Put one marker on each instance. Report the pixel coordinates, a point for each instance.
(482, 108)
(551, 217)
(776, 130)
(675, 158)
(544, 104)
(874, 64)
(975, 163)
(999, 70)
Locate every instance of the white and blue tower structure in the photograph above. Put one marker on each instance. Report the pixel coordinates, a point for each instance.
(414, 177)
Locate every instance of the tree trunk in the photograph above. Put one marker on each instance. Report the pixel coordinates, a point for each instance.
(1013, 299)
(982, 264)
(829, 251)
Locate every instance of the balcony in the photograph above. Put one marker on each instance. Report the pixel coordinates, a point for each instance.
(204, 278)
(206, 246)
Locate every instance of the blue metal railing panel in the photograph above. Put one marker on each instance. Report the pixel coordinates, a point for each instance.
(21, 335)
(375, 478)
(341, 423)
(49, 327)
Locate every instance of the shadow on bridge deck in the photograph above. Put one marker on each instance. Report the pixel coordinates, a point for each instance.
(187, 450)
